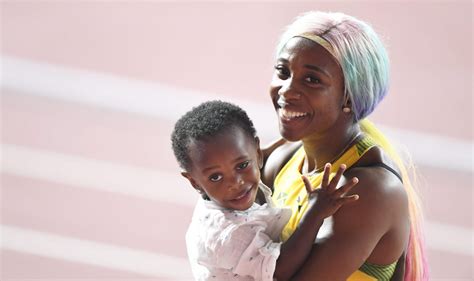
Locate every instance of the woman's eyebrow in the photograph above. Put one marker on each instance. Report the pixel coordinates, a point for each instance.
(318, 69)
(282, 60)
(310, 66)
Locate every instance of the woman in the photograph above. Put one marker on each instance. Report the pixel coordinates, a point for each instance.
(331, 71)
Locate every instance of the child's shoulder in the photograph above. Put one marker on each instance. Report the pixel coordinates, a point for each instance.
(208, 216)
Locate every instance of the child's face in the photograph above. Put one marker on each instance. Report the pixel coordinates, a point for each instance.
(226, 168)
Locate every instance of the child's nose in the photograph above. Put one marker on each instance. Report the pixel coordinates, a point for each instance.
(237, 182)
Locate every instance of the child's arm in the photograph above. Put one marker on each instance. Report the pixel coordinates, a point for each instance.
(323, 202)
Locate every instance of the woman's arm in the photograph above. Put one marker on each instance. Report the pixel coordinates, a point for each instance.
(374, 229)
(269, 148)
(399, 273)
(276, 160)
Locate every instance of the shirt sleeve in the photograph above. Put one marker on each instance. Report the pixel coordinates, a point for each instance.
(247, 251)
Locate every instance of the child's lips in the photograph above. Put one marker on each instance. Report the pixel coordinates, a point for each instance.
(242, 194)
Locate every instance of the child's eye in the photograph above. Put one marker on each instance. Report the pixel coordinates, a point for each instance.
(243, 165)
(312, 79)
(215, 177)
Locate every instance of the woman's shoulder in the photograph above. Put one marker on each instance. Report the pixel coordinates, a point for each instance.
(276, 160)
(382, 205)
(375, 162)
(379, 178)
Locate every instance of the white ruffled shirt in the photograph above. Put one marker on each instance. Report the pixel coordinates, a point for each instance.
(225, 244)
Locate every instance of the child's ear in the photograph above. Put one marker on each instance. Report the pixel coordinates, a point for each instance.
(259, 153)
(192, 182)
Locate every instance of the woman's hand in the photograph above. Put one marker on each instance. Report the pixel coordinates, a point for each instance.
(327, 199)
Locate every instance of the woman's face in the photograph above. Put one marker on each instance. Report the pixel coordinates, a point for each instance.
(307, 90)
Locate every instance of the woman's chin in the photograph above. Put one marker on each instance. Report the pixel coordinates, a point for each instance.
(289, 135)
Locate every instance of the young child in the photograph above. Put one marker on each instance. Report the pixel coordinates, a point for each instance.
(231, 237)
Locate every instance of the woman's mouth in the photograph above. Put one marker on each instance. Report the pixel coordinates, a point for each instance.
(289, 115)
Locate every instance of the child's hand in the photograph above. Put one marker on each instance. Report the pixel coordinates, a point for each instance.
(325, 201)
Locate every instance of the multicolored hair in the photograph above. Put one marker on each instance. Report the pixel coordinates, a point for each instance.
(357, 49)
(365, 66)
(416, 266)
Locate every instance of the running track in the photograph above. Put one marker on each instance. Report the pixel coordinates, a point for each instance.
(90, 90)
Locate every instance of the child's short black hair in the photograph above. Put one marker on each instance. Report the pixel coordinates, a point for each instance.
(204, 121)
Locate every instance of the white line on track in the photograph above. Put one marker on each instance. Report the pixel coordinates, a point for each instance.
(449, 238)
(81, 172)
(151, 98)
(93, 253)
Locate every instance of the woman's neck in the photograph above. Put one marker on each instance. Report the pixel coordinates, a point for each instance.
(327, 148)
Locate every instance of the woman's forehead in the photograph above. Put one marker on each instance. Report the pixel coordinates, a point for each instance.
(304, 52)
(302, 47)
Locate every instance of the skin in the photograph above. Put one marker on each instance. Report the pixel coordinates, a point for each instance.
(308, 82)
(226, 167)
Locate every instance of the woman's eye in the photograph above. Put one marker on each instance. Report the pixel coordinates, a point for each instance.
(311, 79)
(215, 177)
(243, 165)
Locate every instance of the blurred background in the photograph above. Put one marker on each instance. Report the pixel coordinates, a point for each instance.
(90, 91)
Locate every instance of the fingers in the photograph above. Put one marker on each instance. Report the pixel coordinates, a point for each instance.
(330, 186)
(307, 184)
(346, 187)
(327, 172)
(335, 180)
(346, 200)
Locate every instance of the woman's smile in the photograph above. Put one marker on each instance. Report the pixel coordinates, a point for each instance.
(293, 119)
(289, 115)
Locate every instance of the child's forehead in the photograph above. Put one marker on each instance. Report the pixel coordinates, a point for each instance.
(226, 134)
(226, 140)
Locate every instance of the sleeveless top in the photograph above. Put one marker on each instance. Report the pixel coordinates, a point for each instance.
(289, 191)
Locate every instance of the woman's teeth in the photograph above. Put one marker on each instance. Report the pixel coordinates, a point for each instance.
(291, 114)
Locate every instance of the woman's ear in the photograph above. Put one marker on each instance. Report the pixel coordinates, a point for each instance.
(347, 104)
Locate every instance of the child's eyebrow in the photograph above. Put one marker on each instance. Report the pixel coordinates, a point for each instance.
(238, 159)
(209, 168)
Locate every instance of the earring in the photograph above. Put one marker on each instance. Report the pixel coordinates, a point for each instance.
(346, 109)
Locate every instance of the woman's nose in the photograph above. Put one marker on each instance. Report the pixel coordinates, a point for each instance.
(288, 92)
